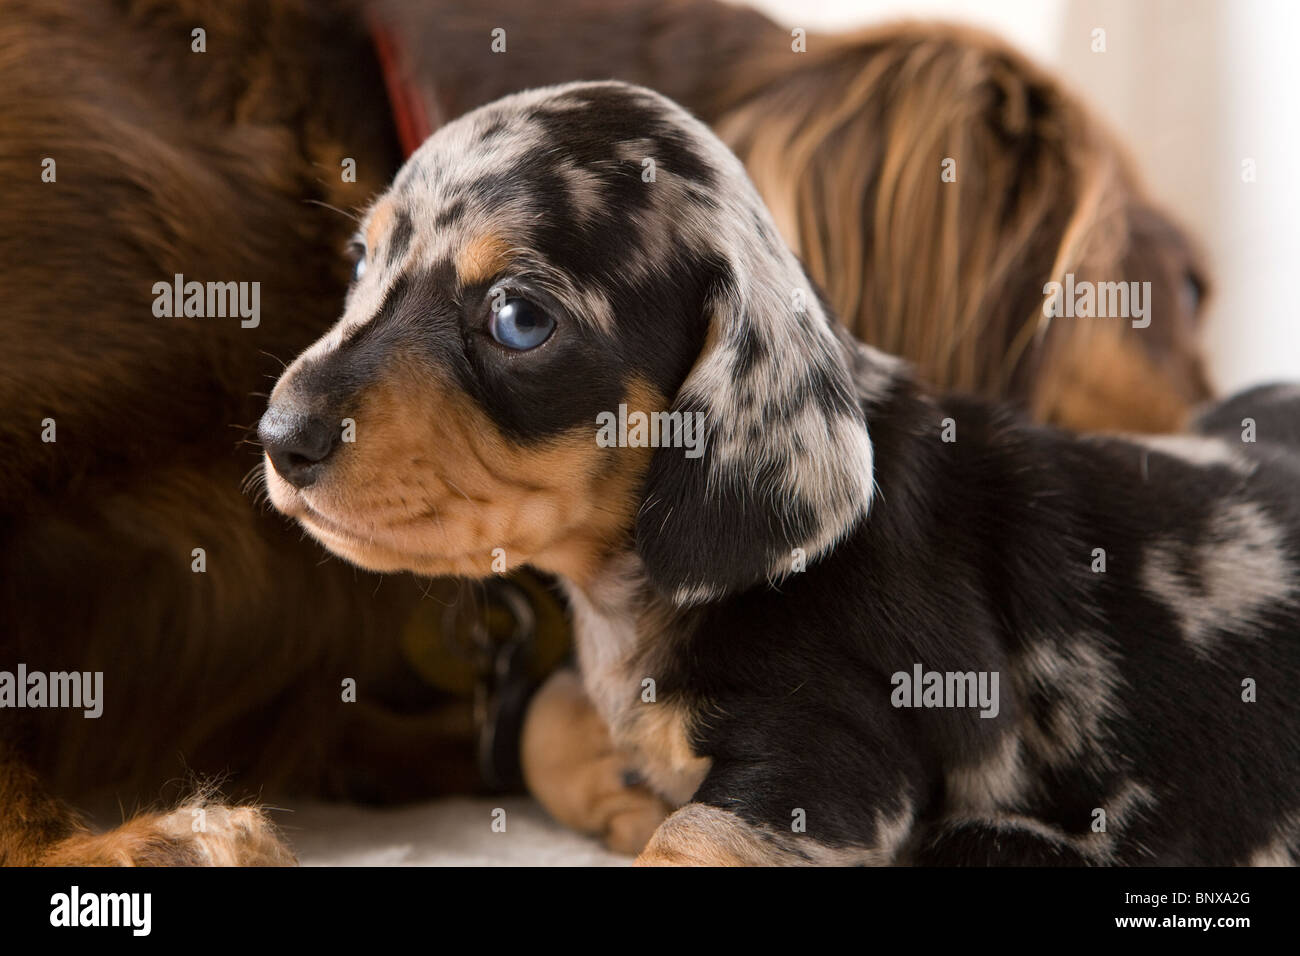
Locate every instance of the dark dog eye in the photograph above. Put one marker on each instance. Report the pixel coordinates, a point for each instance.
(1193, 293)
(521, 325)
(357, 253)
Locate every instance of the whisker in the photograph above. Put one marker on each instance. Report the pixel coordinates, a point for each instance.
(342, 212)
(283, 363)
(254, 485)
(454, 487)
(437, 516)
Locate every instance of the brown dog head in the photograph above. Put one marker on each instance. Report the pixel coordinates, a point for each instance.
(934, 181)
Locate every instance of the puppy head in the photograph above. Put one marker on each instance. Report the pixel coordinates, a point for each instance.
(536, 265)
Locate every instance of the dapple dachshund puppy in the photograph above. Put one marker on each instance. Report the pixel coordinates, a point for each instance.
(855, 623)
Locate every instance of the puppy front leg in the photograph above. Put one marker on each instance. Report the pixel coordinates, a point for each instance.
(573, 769)
(702, 835)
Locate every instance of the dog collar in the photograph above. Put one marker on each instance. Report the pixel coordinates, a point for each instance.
(493, 643)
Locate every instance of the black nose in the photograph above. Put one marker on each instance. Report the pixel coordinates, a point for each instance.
(299, 443)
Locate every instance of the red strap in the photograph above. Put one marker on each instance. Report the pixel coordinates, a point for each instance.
(410, 109)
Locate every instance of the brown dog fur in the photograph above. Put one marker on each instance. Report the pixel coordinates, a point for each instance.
(950, 275)
(170, 162)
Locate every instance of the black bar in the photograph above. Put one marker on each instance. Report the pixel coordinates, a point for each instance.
(549, 906)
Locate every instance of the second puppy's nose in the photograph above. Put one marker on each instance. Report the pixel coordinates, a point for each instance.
(298, 443)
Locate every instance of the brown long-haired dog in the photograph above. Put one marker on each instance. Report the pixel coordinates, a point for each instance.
(847, 144)
(221, 165)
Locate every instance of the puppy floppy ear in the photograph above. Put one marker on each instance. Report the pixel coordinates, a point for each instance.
(786, 466)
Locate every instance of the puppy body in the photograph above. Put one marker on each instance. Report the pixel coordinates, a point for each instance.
(743, 617)
(1121, 690)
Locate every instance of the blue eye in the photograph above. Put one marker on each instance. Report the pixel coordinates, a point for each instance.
(521, 325)
(359, 269)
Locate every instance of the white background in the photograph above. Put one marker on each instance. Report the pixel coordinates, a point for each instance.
(1193, 87)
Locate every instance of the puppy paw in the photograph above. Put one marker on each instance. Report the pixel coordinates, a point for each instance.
(196, 835)
(573, 769)
(632, 817)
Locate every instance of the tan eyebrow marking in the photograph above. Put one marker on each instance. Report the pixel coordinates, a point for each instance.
(381, 217)
(482, 258)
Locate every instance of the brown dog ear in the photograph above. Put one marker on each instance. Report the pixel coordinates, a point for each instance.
(784, 468)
